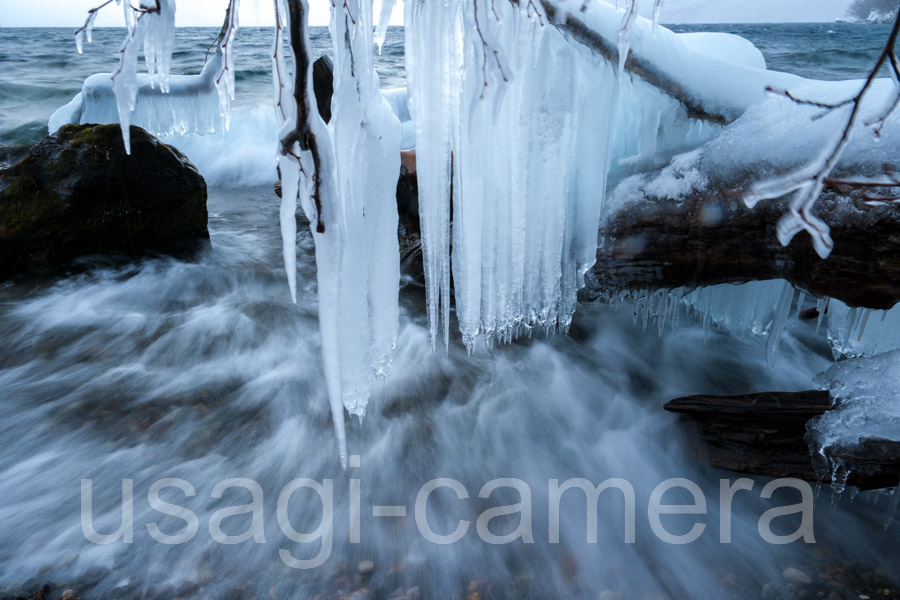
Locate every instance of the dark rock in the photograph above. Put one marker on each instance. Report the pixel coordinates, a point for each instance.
(234, 594)
(323, 86)
(809, 314)
(78, 194)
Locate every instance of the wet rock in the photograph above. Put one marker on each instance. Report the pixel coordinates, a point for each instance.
(188, 588)
(282, 590)
(78, 194)
(795, 576)
(609, 595)
(233, 594)
(809, 314)
(365, 569)
(771, 591)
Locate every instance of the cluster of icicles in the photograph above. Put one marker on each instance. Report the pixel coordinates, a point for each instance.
(504, 108)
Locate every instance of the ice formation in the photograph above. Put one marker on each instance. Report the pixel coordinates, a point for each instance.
(351, 169)
(867, 396)
(161, 103)
(766, 309)
(517, 125)
(503, 107)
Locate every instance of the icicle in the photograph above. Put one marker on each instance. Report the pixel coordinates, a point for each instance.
(384, 19)
(432, 62)
(367, 157)
(124, 81)
(525, 221)
(822, 309)
(224, 79)
(892, 508)
(657, 9)
(87, 30)
(800, 300)
(779, 321)
(631, 9)
(839, 475)
(159, 41)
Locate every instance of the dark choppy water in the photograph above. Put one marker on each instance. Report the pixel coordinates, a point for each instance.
(205, 371)
(831, 51)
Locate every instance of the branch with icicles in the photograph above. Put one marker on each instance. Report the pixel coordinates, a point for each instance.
(809, 181)
(88, 27)
(299, 138)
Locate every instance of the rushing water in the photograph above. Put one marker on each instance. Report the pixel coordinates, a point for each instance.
(205, 371)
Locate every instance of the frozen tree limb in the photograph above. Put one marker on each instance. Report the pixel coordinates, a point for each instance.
(714, 239)
(301, 137)
(809, 181)
(578, 31)
(764, 434)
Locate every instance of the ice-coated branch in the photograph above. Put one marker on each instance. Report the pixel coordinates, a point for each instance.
(809, 181)
(636, 65)
(88, 26)
(157, 50)
(220, 37)
(224, 79)
(301, 137)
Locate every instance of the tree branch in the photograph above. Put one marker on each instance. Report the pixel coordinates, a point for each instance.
(302, 135)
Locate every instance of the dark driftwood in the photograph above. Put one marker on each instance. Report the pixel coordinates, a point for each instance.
(716, 239)
(764, 434)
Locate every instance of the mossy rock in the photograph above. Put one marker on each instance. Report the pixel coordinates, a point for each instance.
(78, 194)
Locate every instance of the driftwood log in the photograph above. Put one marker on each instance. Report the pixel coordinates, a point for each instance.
(764, 434)
(716, 239)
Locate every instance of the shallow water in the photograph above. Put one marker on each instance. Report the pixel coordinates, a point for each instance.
(205, 371)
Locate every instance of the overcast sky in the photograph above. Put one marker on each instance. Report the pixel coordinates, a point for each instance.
(71, 13)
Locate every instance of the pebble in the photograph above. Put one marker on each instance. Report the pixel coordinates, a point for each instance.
(68, 595)
(366, 567)
(770, 591)
(609, 595)
(796, 576)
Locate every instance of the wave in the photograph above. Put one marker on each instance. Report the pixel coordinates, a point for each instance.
(242, 156)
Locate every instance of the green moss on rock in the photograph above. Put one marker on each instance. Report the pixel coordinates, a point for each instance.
(77, 193)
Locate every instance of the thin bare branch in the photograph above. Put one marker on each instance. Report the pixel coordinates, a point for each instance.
(90, 16)
(809, 181)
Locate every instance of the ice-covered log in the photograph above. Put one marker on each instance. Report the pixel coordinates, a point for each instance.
(764, 434)
(710, 87)
(715, 239)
